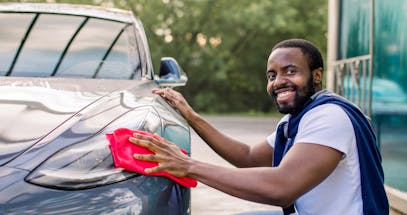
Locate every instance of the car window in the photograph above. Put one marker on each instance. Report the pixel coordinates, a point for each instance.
(45, 44)
(90, 46)
(119, 64)
(41, 45)
(11, 36)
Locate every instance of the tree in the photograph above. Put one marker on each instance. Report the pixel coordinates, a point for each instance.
(223, 45)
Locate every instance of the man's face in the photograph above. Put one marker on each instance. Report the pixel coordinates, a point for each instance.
(290, 81)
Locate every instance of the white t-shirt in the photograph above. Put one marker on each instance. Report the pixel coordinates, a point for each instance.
(340, 192)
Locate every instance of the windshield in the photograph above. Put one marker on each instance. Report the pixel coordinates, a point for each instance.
(41, 45)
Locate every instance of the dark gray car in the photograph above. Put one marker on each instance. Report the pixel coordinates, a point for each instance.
(69, 75)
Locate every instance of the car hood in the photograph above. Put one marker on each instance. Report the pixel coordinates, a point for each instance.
(36, 111)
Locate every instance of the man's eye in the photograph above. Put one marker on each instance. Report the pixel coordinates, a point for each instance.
(290, 72)
(271, 76)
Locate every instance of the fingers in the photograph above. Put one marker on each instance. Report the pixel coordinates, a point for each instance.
(173, 97)
(151, 143)
(169, 156)
(165, 93)
(143, 143)
(159, 168)
(151, 158)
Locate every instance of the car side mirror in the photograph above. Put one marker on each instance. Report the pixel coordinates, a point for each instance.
(171, 74)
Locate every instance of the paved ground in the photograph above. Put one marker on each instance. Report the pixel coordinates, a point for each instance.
(208, 201)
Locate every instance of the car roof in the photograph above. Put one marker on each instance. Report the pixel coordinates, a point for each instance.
(70, 9)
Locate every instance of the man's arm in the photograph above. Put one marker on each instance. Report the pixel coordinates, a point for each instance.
(302, 168)
(237, 153)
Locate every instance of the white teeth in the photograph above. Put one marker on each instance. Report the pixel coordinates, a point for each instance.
(282, 94)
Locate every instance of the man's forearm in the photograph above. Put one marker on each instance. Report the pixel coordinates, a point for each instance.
(253, 184)
(232, 150)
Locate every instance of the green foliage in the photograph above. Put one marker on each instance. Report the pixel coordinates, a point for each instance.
(90, 2)
(223, 45)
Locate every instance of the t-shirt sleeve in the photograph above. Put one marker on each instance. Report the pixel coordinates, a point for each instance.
(327, 125)
(271, 139)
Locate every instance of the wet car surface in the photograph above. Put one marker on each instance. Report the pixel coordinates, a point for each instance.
(71, 74)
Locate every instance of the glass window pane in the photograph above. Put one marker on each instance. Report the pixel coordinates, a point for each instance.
(120, 65)
(354, 32)
(89, 47)
(45, 44)
(12, 31)
(389, 104)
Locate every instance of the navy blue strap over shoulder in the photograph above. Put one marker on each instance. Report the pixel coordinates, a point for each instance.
(372, 178)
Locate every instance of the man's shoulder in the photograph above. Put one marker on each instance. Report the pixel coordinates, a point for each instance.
(328, 110)
(327, 117)
(327, 125)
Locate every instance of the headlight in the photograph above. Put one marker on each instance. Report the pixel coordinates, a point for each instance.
(89, 163)
(80, 166)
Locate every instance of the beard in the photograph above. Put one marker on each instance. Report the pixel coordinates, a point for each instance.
(302, 95)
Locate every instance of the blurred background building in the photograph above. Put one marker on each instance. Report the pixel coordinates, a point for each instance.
(367, 52)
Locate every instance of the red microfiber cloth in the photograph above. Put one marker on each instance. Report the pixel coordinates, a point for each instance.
(123, 150)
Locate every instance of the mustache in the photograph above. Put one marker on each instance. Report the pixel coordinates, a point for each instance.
(275, 90)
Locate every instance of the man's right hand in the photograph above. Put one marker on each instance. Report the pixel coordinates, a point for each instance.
(177, 101)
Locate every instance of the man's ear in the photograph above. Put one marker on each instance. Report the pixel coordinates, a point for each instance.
(317, 74)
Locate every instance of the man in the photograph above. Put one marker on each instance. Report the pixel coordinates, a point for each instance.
(323, 156)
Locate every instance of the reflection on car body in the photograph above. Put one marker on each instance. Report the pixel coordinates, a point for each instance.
(71, 74)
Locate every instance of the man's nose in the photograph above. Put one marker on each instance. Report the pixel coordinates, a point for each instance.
(279, 81)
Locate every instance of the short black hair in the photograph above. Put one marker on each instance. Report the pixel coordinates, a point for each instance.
(315, 60)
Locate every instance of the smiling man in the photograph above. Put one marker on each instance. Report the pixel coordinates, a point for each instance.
(322, 158)
(291, 79)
